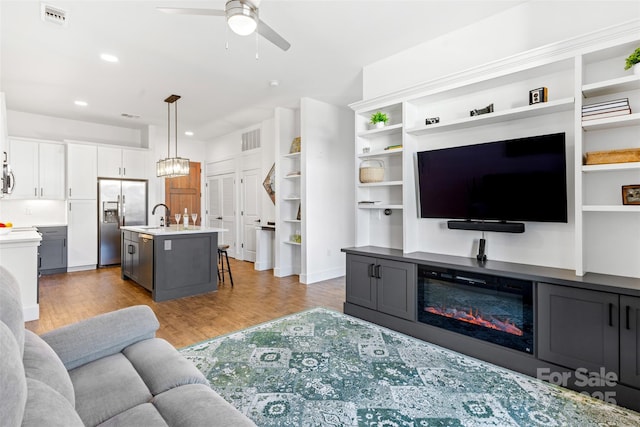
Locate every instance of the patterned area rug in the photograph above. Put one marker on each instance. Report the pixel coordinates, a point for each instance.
(323, 368)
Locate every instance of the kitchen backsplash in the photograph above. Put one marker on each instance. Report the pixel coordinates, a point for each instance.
(25, 213)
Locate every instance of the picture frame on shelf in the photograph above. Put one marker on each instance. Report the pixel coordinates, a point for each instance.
(295, 145)
(299, 215)
(631, 194)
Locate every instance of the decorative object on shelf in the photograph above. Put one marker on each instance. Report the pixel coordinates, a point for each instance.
(296, 237)
(431, 120)
(393, 147)
(365, 150)
(631, 194)
(485, 110)
(172, 166)
(387, 211)
(269, 183)
(612, 156)
(371, 170)
(295, 145)
(632, 60)
(538, 95)
(294, 173)
(299, 215)
(379, 120)
(600, 110)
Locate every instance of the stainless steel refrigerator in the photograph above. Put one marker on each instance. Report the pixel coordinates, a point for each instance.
(121, 202)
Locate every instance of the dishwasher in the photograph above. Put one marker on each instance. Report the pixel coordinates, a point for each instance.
(145, 261)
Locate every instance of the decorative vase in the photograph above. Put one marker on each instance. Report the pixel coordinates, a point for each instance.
(380, 125)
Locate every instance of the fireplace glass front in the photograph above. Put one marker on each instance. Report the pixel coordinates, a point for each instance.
(490, 308)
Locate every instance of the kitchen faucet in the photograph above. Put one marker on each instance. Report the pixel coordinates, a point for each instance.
(167, 212)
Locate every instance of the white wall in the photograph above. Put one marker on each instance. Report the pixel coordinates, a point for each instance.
(29, 125)
(530, 25)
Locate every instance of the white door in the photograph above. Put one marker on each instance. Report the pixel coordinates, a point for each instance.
(82, 249)
(221, 208)
(250, 214)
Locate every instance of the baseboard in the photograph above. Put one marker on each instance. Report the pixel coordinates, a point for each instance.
(261, 266)
(81, 268)
(308, 279)
(31, 312)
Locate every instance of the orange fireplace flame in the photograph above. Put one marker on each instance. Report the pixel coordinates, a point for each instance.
(476, 319)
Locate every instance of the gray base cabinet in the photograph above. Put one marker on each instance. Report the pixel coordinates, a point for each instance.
(53, 250)
(384, 285)
(630, 341)
(578, 328)
(130, 262)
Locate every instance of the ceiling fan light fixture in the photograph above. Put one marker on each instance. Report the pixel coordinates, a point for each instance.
(242, 18)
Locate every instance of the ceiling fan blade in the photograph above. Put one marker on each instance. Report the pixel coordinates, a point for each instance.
(269, 33)
(188, 11)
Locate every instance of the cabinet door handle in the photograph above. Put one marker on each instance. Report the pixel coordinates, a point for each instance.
(131, 250)
(371, 270)
(119, 171)
(610, 314)
(378, 275)
(626, 315)
(124, 171)
(69, 191)
(35, 191)
(41, 192)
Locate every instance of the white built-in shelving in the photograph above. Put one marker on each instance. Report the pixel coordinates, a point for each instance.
(577, 72)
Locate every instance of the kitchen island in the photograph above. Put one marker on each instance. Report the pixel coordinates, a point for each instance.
(171, 262)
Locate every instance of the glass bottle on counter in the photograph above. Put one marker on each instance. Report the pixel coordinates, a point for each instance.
(185, 218)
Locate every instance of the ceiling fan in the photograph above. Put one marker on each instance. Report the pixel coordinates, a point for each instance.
(242, 18)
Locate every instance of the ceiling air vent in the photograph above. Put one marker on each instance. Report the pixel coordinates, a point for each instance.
(53, 14)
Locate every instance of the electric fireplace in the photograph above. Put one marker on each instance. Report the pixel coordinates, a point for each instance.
(491, 308)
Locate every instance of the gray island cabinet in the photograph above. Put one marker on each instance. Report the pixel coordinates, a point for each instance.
(171, 262)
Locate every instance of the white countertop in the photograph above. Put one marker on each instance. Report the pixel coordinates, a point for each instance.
(155, 230)
(20, 235)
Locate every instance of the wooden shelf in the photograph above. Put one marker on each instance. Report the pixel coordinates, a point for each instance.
(550, 107)
(611, 87)
(611, 167)
(387, 130)
(611, 208)
(612, 122)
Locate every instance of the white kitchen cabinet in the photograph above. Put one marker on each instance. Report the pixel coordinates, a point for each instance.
(38, 168)
(122, 163)
(82, 171)
(82, 235)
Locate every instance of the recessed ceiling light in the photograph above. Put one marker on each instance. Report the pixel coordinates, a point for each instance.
(108, 57)
(274, 83)
(188, 133)
(81, 103)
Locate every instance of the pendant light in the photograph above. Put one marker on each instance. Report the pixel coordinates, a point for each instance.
(172, 166)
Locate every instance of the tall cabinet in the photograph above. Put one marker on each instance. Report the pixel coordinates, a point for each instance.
(597, 237)
(311, 199)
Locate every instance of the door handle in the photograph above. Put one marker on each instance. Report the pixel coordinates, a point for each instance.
(610, 314)
(370, 268)
(131, 250)
(218, 217)
(378, 275)
(627, 310)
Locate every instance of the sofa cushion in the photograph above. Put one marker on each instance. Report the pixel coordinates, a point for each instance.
(43, 364)
(197, 405)
(161, 366)
(141, 415)
(47, 407)
(11, 306)
(103, 335)
(13, 386)
(106, 387)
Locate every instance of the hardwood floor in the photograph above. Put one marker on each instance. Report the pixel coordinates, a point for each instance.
(257, 297)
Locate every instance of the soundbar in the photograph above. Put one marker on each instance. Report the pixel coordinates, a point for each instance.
(501, 226)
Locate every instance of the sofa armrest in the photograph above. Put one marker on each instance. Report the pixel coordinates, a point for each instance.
(103, 335)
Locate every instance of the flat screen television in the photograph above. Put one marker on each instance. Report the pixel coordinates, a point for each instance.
(520, 179)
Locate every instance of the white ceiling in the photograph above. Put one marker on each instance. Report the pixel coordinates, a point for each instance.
(45, 67)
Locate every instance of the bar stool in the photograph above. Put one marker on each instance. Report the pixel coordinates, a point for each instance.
(222, 252)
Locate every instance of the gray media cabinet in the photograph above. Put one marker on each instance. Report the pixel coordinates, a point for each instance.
(583, 326)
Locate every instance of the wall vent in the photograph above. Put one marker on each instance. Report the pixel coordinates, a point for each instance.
(53, 14)
(251, 140)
